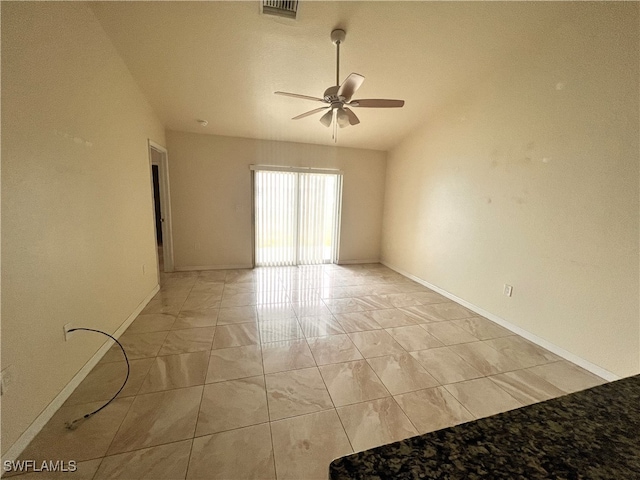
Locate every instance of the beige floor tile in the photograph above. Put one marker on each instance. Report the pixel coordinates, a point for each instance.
(233, 363)
(90, 440)
(409, 286)
(383, 289)
(400, 299)
(176, 288)
(139, 345)
(449, 333)
(414, 338)
(390, 317)
(566, 376)
(526, 387)
(374, 423)
(233, 315)
(244, 453)
(206, 287)
(296, 392)
(232, 404)
(176, 371)
(485, 359)
(344, 305)
(338, 292)
(445, 366)
(374, 302)
(175, 285)
(84, 471)
(286, 355)
(242, 275)
(320, 326)
(188, 340)
(310, 309)
(433, 409)
(152, 433)
(524, 352)
(164, 462)
(439, 312)
(333, 349)
(238, 299)
(158, 418)
(201, 301)
(357, 322)
(426, 298)
(247, 287)
(105, 380)
(375, 343)
(304, 446)
(352, 382)
(482, 328)
(278, 330)
(275, 311)
(482, 397)
(401, 373)
(419, 313)
(236, 335)
(271, 296)
(196, 319)
(151, 322)
(304, 296)
(166, 304)
(212, 276)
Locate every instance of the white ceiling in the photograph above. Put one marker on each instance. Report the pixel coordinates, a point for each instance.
(222, 61)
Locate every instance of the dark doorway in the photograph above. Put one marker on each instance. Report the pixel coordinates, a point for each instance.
(156, 203)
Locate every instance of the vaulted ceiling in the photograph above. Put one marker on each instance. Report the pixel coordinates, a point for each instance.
(222, 61)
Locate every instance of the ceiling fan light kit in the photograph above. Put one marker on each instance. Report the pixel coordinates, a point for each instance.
(339, 96)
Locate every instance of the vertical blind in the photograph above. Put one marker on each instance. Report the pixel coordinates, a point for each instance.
(295, 217)
(276, 218)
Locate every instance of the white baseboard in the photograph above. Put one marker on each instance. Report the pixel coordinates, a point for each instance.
(42, 419)
(561, 352)
(357, 262)
(212, 267)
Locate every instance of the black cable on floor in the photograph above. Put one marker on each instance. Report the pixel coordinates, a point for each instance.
(76, 423)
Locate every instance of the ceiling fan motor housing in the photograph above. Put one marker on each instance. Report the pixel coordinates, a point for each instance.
(331, 95)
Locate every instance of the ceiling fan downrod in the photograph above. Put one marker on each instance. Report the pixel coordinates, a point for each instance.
(337, 37)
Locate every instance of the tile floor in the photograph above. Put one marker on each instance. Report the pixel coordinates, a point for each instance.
(273, 373)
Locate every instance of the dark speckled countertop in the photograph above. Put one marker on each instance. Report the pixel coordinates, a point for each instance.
(593, 434)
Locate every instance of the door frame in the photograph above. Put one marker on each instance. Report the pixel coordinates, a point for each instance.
(165, 204)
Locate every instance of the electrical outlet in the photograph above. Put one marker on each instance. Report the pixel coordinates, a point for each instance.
(508, 290)
(67, 333)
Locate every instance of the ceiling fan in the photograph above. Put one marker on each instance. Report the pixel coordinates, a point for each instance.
(339, 97)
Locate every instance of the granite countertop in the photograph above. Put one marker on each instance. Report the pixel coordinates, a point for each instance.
(593, 434)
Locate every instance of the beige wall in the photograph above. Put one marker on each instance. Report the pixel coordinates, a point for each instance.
(76, 198)
(211, 195)
(535, 183)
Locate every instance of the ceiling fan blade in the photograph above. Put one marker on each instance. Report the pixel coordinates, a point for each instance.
(350, 85)
(377, 103)
(303, 97)
(326, 118)
(353, 119)
(316, 110)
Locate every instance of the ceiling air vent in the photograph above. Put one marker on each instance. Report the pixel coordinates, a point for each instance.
(280, 8)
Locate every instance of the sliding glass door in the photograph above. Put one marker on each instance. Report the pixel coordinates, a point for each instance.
(296, 216)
